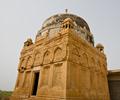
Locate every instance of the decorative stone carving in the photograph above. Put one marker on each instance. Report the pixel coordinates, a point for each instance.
(28, 42)
(84, 60)
(98, 66)
(27, 80)
(20, 80)
(92, 62)
(83, 80)
(22, 65)
(57, 76)
(75, 51)
(73, 76)
(93, 82)
(46, 57)
(45, 75)
(37, 59)
(75, 55)
(29, 62)
(67, 24)
(58, 54)
(94, 76)
(100, 47)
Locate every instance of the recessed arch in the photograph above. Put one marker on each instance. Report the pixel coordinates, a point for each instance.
(23, 63)
(58, 54)
(37, 59)
(92, 62)
(84, 59)
(29, 62)
(46, 57)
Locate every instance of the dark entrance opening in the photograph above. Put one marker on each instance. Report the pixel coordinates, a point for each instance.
(35, 83)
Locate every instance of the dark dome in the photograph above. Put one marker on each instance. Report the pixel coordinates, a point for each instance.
(59, 18)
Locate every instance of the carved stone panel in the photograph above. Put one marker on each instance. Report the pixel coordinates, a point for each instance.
(45, 75)
(23, 63)
(84, 81)
(98, 66)
(57, 76)
(73, 72)
(37, 59)
(20, 80)
(75, 51)
(58, 54)
(84, 61)
(92, 63)
(75, 55)
(46, 57)
(29, 62)
(93, 83)
(27, 80)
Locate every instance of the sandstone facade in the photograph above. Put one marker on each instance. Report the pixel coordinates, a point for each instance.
(62, 65)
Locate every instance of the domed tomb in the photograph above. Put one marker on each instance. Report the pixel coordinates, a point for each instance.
(60, 62)
(52, 25)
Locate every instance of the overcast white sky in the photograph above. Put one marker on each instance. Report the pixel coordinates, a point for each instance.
(21, 19)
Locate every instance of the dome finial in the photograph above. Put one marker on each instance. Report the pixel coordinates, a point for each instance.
(66, 11)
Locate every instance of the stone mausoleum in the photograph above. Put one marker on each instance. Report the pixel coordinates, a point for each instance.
(62, 63)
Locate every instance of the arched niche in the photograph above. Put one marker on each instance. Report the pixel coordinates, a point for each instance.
(104, 68)
(75, 55)
(46, 57)
(92, 62)
(98, 66)
(23, 63)
(84, 60)
(37, 59)
(58, 54)
(29, 62)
